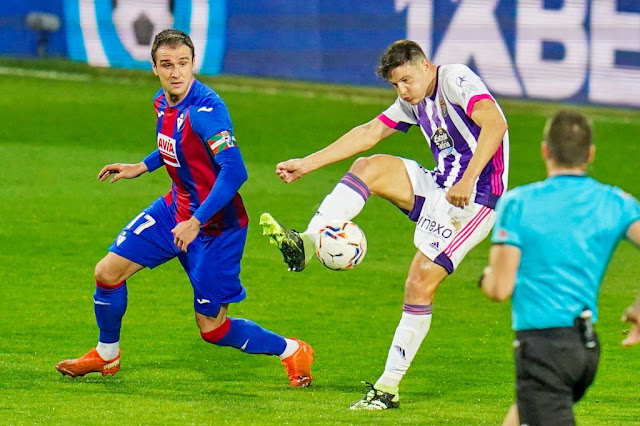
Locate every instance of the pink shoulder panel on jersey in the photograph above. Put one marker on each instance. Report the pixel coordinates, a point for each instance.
(475, 99)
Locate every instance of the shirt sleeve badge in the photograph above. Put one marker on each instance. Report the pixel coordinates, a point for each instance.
(221, 141)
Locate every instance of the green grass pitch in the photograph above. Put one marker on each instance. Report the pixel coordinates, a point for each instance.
(57, 220)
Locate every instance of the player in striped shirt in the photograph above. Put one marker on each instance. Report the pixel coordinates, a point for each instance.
(452, 205)
(201, 221)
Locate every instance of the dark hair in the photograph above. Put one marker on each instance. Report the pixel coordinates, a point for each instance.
(568, 136)
(173, 38)
(399, 53)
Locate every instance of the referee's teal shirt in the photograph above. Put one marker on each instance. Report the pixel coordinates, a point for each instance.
(567, 228)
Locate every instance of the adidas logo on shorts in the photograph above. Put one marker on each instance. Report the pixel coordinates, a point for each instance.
(435, 245)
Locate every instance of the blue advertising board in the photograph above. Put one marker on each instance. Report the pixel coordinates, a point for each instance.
(585, 51)
(17, 39)
(120, 33)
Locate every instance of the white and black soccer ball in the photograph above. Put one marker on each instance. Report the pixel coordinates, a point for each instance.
(341, 246)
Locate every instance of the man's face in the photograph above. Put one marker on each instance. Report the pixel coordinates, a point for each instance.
(411, 81)
(174, 67)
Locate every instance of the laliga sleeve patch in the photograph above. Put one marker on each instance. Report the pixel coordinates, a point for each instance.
(221, 141)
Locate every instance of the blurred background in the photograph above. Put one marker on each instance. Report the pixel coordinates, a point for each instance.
(577, 51)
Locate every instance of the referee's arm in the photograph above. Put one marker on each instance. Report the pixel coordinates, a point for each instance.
(632, 315)
(498, 279)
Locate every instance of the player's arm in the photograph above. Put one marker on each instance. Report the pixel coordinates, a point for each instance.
(498, 279)
(492, 130)
(632, 314)
(152, 162)
(355, 141)
(231, 176)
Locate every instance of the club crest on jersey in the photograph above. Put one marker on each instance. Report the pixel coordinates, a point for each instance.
(221, 141)
(180, 120)
(442, 140)
(167, 147)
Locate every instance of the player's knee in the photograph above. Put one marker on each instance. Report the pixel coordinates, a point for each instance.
(422, 283)
(106, 274)
(365, 168)
(419, 291)
(208, 323)
(213, 330)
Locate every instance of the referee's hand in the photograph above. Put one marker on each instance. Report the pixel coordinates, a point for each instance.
(632, 316)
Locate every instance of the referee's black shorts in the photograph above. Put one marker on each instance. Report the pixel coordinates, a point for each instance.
(553, 371)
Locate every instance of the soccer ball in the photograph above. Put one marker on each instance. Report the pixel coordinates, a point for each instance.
(341, 245)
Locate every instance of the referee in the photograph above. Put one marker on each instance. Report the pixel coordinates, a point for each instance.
(552, 242)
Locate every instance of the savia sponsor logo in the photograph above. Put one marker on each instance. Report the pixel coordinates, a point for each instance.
(167, 147)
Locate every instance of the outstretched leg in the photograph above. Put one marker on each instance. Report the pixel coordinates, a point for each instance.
(249, 337)
(381, 175)
(213, 267)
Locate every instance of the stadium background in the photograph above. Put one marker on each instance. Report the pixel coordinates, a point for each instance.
(296, 75)
(568, 50)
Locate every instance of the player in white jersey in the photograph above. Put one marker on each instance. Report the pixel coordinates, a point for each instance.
(451, 205)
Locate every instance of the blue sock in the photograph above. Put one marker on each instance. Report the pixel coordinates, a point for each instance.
(247, 336)
(110, 304)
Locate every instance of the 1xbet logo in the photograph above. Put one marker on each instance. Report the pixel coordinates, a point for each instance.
(586, 47)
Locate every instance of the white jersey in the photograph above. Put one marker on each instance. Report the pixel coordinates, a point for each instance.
(445, 121)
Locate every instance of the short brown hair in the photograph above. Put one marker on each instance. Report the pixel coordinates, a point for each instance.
(171, 38)
(568, 136)
(399, 53)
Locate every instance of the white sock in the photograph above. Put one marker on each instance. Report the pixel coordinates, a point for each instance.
(343, 203)
(407, 340)
(292, 347)
(108, 351)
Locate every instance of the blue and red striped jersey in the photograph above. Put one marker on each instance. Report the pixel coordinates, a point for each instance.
(190, 135)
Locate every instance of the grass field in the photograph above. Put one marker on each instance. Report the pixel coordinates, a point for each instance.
(58, 219)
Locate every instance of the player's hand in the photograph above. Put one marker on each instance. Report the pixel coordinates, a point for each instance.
(633, 317)
(460, 194)
(291, 170)
(122, 171)
(185, 232)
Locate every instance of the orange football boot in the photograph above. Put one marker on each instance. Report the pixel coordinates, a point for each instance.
(298, 366)
(89, 363)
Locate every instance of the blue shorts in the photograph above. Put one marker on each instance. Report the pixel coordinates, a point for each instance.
(212, 262)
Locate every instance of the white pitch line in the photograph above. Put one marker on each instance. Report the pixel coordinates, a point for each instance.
(272, 90)
(49, 75)
(238, 88)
